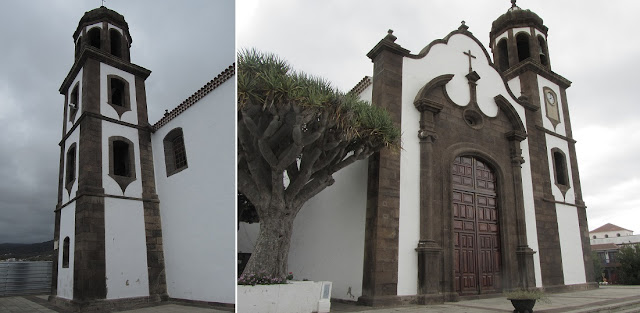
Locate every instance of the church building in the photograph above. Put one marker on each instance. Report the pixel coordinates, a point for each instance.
(483, 197)
(145, 212)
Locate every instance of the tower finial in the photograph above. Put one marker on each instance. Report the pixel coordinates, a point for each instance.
(513, 3)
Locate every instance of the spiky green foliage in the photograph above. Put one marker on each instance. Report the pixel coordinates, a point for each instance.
(294, 132)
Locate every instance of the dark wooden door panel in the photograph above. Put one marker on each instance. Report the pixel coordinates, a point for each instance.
(476, 230)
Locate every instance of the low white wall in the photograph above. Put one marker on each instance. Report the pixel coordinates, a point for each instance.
(570, 245)
(67, 229)
(125, 249)
(293, 297)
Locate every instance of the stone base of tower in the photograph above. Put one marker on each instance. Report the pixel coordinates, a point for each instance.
(104, 305)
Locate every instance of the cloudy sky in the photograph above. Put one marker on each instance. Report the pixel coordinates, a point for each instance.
(184, 44)
(591, 43)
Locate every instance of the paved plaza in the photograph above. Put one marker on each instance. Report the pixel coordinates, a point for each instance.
(622, 299)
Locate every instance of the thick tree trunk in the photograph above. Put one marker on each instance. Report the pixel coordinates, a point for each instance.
(271, 250)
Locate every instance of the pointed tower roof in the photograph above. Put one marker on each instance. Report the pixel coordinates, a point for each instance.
(516, 17)
(608, 227)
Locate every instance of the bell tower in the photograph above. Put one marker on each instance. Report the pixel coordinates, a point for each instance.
(518, 41)
(107, 232)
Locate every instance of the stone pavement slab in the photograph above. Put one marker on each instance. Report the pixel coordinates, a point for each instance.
(603, 299)
(39, 304)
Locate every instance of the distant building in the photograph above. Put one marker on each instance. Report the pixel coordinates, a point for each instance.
(606, 241)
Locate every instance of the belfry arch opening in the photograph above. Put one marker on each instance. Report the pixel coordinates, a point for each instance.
(94, 37)
(544, 59)
(522, 42)
(116, 43)
(503, 55)
(476, 229)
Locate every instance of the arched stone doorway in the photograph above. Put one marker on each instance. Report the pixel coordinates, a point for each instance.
(476, 229)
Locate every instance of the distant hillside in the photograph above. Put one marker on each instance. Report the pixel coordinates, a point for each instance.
(27, 252)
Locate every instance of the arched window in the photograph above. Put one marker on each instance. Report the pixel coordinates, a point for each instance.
(544, 60)
(116, 42)
(121, 161)
(118, 94)
(73, 103)
(503, 55)
(175, 155)
(560, 167)
(94, 37)
(65, 252)
(70, 173)
(606, 236)
(618, 235)
(594, 236)
(522, 41)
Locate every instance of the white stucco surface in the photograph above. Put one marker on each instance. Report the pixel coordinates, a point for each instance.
(367, 93)
(560, 128)
(570, 244)
(67, 229)
(105, 108)
(134, 189)
(73, 138)
(530, 209)
(78, 81)
(197, 204)
(125, 249)
(555, 142)
(328, 234)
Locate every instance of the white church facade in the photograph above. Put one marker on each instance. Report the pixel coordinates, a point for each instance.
(484, 195)
(145, 211)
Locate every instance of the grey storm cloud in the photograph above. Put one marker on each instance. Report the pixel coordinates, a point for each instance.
(184, 44)
(590, 43)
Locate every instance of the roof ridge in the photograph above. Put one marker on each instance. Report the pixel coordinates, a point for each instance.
(195, 97)
(361, 86)
(608, 227)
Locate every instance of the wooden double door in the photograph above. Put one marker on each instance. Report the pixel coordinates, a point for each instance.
(477, 258)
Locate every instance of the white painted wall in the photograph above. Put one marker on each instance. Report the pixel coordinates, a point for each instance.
(555, 142)
(367, 93)
(105, 108)
(570, 245)
(77, 80)
(73, 138)
(328, 234)
(125, 249)
(197, 205)
(546, 123)
(67, 229)
(629, 239)
(514, 85)
(111, 187)
(530, 209)
(443, 58)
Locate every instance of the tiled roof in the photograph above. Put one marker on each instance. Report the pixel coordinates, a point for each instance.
(361, 86)
(608, 227)
(206, 89)
(604, 246)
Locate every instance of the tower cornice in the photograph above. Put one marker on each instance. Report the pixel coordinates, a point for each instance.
(103, 57)
(530, 65)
